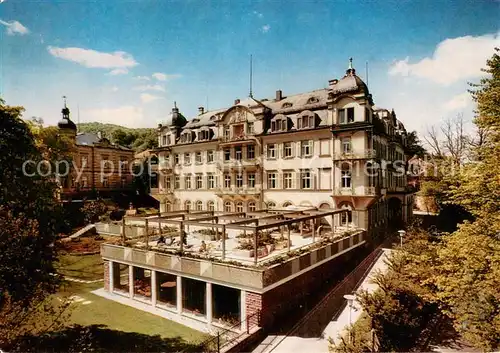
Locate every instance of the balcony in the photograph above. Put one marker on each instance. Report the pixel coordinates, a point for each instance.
(161, 191)
(366, 154)
(165, 167)
(356, 191)
(235, 164)
(236, 139)
(238, 191)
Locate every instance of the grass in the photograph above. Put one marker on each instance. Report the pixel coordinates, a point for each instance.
(113, 315)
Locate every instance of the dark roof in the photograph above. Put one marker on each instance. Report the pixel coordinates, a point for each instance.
(91, 139)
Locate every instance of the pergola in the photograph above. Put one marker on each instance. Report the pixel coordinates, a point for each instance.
(249, 222)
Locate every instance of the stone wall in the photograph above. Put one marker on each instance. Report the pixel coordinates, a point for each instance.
(106, 274)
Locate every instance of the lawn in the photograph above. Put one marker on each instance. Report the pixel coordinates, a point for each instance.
(89, 309)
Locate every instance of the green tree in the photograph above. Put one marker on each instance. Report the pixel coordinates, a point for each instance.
(29, 216)
(414, 145)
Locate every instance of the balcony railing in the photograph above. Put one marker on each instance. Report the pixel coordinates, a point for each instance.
(165, 166)
(237, 191)
(356, 191)
(238, 163)
(356, 155)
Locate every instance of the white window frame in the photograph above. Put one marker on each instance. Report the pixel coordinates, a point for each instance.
(227, 180)
(306, 146)
(187, 181)
(211, 181)
(272, 180)
(271, 151)
(199, 181)
(251, 180)
(287, 180)
(251, 152)
(239, 180)
(288, 150)
(306, 179)
(210, 156)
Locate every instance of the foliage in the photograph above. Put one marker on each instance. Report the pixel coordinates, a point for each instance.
(93, 210)
(29, 216)
(414, 145)
(359, 338)
(138, 139)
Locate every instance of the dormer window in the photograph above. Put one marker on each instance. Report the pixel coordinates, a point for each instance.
(305, 122)
(346, 115)
(196, 120)
(286, 105)
(279, 125)
(186, 137)
(312, 100)
(213, 117)
(203, 135)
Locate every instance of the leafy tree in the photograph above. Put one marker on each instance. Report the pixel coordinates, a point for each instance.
(29, 215)
(414, 145)
(93, 210)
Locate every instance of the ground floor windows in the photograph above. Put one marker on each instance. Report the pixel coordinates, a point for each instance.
(210, 206)
(239, 207)
(251, 206)
(194, 296)
(228, 206)
(120, 277)
(142, 283)
(226, 304)
(166, 285)
(199, 206)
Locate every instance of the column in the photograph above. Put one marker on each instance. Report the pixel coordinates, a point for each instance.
(181, 237)
(301, 228)
(223, 241)
(209, 302)
(312, 229)
(255, 247)
(179, 294)
(146, 223)
(111, 276)
(154, 288)
(131, 281)
(243, 311)
(288, 237)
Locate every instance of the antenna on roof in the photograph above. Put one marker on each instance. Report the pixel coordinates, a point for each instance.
(251, 94)
(366, 68)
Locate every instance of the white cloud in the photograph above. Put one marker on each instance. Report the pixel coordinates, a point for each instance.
(125, 115)
(453, 60)
(15, 27)
(150, 88)
(163, 77)
(265, 28)
(120, 71)
(145, 78)
(147, 98)
(94, 59)
(458, 102)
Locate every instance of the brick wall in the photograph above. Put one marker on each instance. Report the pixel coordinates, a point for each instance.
(253, 305)
(106, 275)
(302, 291)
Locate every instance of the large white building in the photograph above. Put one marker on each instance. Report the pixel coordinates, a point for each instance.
(329, 148)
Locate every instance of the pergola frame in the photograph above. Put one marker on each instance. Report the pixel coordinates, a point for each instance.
(210, 219)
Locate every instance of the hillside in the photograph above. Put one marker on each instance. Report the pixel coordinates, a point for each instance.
(139, 139)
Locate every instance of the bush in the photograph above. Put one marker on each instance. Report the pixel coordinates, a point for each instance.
(93, 210)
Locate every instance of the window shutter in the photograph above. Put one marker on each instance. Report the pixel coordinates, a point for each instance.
(265, 151)
(311, 144)
(299, 149)
(281, 147)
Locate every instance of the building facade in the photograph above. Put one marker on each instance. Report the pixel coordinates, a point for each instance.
(329, 148)
(97, 164)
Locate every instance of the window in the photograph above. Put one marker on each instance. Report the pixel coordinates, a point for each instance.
(198, 158)
(346, 145)
(287, 180)
(251, 206)
(227, 180)
(346, 178)
(177, 182)
(228, 206)
(227, 133)
(306, 179)
(227, 154)
(187, 181)
(168, 183)
(250, 152)
(250, 128)
(176, 158)
(199, 181)
(123, 163)
(271, 151)
(305, 122)
(286, 105)
(104, 158)
(105, 182)
(210, 156)
(346, 217)
(288, 149)
(84, 161)
(239, 180)
(187, 158)
(306, 148)
(199, 206)
(346, 115)
(251, 180)
(210, 206)
(312, 100)
(164, 142)
(271, 205)
(168, 206)
(271, 181)
(239, 207)
(84, 182)
(187, 205)
(203, 135)
(168, 140)
(279, 125)
(238, 153)
(211, 181)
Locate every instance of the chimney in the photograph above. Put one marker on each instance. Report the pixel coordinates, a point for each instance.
(201, 110)
(279, 95)
(236, 101)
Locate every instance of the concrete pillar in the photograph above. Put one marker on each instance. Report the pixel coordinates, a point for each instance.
(288, 237)
(179, 294)
(301, 228)
(312, 229)
(223, 241)
(243, 310)
(208, 303)
(181, 231)
(111, 276)
(255, 247)
(131, 281)
(154, 288)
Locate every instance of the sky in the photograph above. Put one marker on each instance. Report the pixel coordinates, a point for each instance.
(126, 62)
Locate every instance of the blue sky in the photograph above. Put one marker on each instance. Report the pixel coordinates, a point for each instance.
(126, 62)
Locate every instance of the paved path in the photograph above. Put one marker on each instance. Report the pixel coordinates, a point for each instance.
(291, 344)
